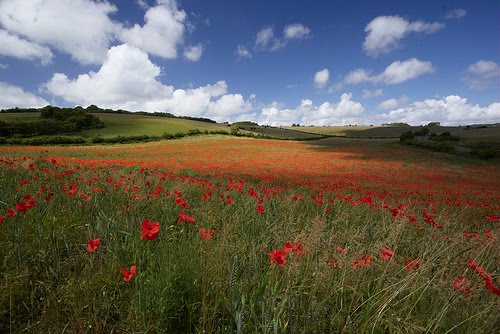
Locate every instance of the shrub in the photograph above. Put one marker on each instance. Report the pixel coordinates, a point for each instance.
(406, 136)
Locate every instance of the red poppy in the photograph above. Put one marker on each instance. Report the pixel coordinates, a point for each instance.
(11, 212)
(93, 244)
(277, 256)
(411, 264)
(260, 208)
(2, 220)
(365, 260)
(462, 284)
(334, 263)
(127, 275)
(386, 253)
(340, 249)
(491, 287)
(180, 201)
(206, 234)
(183, 217)
(297, 248)
(149, 230)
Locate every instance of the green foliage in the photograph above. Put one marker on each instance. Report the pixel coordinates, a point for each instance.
(445, 136)
(234, 130)
(422, 131)
(53, 121)
(406, 136)
(484, 153)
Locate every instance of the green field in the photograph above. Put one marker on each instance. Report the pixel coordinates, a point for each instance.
(280, 132)
(135, 125)
(489, 133)
(129, 124)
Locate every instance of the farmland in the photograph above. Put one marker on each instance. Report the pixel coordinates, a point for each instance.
(226, 234)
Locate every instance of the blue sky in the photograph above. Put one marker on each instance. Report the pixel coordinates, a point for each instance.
(273, 62)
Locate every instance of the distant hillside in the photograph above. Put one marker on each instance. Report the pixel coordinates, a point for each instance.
(111, 123)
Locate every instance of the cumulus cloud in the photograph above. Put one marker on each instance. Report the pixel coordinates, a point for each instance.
(393, 103)
(227, 106)
(81, 28)
(162, 31)
(482, 74)
(384, 33)
(14, 46)
(296, 31)
(345, 111)
(358, 76)
(242, 52)
(449, 110)
(12, 96)
(126, 80)
(193, 53)
(129, 80)
(85, 30)
(368, 94)
(401, 71)
(321, 78)
(455, 13)
(396, 73)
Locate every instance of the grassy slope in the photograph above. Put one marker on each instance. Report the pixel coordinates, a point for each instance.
(130, 124)
(492, 133)
(289, 133)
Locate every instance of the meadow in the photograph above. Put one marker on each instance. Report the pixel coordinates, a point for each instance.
(219, 234)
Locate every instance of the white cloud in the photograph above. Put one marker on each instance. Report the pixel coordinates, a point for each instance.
(455, 13)
(384, 33)
(228, 106)
(396, 73)
(335, 87)
(14, 46)
(401, 71)
(346, 111)
(193, 53)
(4, 66)
(266, 40)
(393, 103)
(264, 37)
(126, 80)
(449, 110)
(296, 31)
(242, 52)
(482, 74)
(357, 76)
(367, 94)
(13, 96)
(143, 4)
(162, 31)
(321, 78)
(81, 28)
(129, 80)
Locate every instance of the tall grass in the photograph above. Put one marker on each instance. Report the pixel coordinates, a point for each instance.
(184, 284)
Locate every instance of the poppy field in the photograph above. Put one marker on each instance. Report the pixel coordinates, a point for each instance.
(234, 235)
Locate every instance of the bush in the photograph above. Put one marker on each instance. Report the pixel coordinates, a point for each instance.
(406, 136)
(484, 153)
(422, 132)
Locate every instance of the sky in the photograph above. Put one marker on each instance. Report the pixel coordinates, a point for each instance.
(322, 62)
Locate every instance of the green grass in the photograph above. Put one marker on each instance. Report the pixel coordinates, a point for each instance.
(134, 125)
(130, 125)
(490, 134)
(51, 284)
(280, 132)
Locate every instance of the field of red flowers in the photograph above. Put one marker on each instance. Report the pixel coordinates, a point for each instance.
(219, 234)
